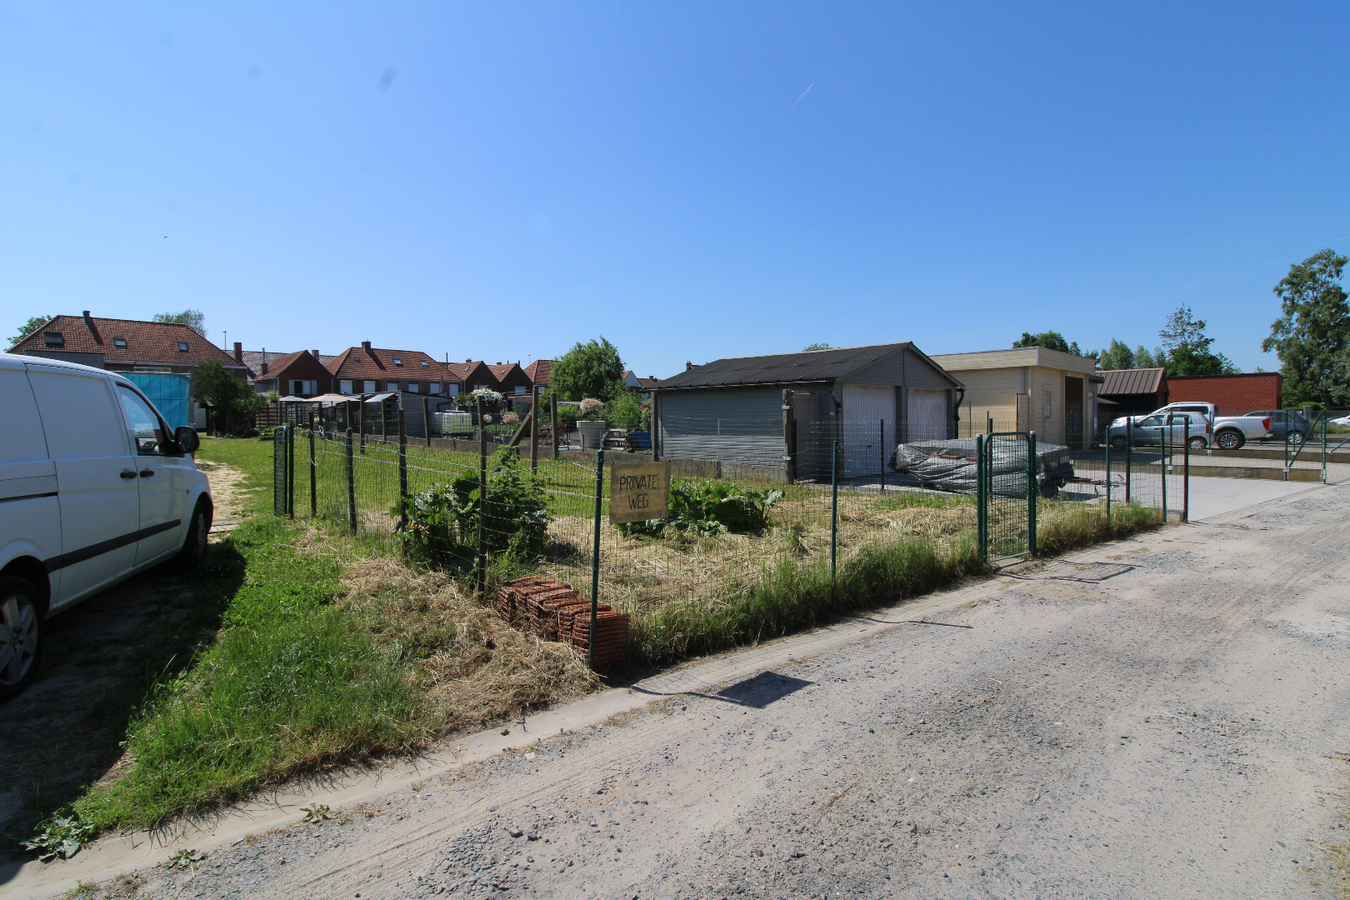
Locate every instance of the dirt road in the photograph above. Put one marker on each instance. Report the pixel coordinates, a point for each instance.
(1155, 718)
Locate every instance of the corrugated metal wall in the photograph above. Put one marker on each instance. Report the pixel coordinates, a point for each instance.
(740, 424)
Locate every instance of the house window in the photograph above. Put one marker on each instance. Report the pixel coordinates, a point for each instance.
(520, 389)
(120, 343)
(424, 364)
(182, 346)
(391, 386)
(344, 387)
(479, 387)
(434, 389)
(398, 362)
(369, 388)
(53, 339)
(452, 390)
(412, 387)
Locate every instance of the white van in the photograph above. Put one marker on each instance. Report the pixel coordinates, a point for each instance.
(93, 489)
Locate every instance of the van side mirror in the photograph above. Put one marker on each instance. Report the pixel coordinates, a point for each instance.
(187, 438)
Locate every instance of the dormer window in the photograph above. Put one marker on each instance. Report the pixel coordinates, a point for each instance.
(120, 343)
(398, 362)
(53, 339)
(182, 346)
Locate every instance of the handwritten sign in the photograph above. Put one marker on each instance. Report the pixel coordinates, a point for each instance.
(639, 491)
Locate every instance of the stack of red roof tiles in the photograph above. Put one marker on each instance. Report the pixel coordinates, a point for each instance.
(556, 613)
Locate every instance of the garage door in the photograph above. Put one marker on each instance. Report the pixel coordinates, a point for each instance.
(927, 415)
(866, 406)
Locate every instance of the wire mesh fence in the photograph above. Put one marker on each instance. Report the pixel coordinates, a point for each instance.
(751, 511)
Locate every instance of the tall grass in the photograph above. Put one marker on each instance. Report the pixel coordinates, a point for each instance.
(1061, 527)
(793, 596)
(291, 683)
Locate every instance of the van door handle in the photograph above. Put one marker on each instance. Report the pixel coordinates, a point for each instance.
(147, 473)
(128, 473)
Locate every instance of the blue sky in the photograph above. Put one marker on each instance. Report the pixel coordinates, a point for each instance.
(690, 180)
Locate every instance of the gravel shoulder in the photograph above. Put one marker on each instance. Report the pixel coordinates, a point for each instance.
(1159, 717)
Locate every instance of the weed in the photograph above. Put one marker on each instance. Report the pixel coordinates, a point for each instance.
(185, 859)
(60, 836)
(316, 814)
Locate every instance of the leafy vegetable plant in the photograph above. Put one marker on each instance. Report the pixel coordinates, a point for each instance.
(710, 508)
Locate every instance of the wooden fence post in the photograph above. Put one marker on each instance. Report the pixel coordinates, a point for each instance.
(482, 501)
(351, 484)
(789, 451)
(426, 418)
(553, 439)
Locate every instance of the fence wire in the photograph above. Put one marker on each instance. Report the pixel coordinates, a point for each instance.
(826, 496)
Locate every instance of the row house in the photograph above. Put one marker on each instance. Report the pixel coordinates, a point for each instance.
(125, 345)
(370, 370)
(299, 374)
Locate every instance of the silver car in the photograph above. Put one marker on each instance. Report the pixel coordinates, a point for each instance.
(1153, 430)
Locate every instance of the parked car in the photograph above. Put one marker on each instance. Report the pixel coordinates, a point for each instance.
(1343, 421)
(1153, 430)
(1281, 422)
(94, 488)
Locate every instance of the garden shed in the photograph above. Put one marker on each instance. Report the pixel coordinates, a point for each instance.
(784, 411)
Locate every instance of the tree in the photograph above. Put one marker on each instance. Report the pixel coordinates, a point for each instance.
(1117, 356)
(192, 318)
(1049, 340)
(811, 348)
(1149, 359)
(1186, 347)
(223, 393)
(592, 369)
(28, 328)
(1312, 337)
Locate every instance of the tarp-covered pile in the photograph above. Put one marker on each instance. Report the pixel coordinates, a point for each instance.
(950, 465)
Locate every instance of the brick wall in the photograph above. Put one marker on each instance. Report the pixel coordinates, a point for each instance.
(1233, 394)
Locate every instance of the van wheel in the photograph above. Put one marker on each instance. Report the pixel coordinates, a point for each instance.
(22, 634)
(194, 548)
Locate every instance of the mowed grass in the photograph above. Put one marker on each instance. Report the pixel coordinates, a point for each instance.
(325, 655)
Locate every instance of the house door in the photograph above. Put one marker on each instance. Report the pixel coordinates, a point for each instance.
(1073, 412)
(927, 415)
(865, 445)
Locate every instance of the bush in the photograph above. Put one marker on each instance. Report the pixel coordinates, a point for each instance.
(442, 521)
(625, 412)
(710, 508)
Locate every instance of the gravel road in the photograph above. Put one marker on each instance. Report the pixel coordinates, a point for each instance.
(1162, 717)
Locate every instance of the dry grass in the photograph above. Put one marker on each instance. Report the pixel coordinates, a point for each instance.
(472, 668)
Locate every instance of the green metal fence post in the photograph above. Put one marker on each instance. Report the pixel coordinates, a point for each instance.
(1107, 452)
(981, 499)
(1164, 449)
(313, 473)
(351, 484)
(402, 469)
(1129, 456)
(290, 471)
(1186, 477)
(482, 501)
(834, 519)
(595, 556)
(1326, 425)
(1031, 492)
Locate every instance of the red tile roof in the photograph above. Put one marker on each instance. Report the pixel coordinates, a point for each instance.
(540, 372)
(146, 342)
(377, 363)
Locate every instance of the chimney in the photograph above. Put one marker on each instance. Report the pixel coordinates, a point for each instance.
(365, 345)
(239, 352)
(263, 369)
(89, 323)
(688, 367)
(316, 353)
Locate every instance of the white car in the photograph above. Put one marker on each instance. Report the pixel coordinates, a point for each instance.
(1343, 420)
(93, 489)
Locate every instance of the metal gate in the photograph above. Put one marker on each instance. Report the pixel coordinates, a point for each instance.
(283, 470)
(1006, 495)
